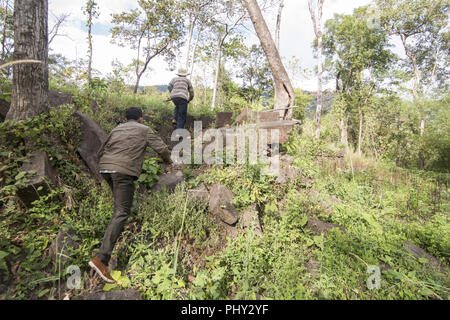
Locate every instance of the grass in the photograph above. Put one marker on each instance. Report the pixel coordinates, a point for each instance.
(172, 248)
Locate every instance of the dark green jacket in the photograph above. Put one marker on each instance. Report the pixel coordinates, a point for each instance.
(124, 149)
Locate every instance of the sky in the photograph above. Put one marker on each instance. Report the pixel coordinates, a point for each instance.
(296, 36)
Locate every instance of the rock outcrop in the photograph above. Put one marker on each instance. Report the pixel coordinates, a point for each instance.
(250, 116)
(169, 181)
(4, 108)
(220, 204)
(38, 184)
(61, 246)
(224, 119)
(321, 227)
(201, 193)
(325, 202)
(285, 171)
(56, 98)
(250, 220)
(92, 138)
(417, 253)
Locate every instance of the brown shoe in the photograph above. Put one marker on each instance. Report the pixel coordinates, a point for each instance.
(101, 269)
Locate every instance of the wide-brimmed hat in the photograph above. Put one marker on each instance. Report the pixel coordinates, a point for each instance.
(182, 72)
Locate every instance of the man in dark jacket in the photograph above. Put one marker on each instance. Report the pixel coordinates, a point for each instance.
(181, 93)
(121, 157)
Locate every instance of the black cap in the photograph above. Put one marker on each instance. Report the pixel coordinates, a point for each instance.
(133, 113)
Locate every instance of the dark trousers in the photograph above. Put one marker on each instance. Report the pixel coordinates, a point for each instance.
(122, 187)
(180, 112)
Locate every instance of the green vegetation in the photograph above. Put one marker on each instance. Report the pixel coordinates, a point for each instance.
(172, 248)
(379, 172)
(150, 171)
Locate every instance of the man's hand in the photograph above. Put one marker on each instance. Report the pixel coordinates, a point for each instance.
(165, 156)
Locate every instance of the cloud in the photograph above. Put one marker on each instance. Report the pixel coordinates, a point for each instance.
(106, 8)
(296, 35)
(75, 47)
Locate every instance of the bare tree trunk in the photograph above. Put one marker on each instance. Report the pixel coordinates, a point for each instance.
(91, 12)
(90, 53)
(30, 81)
(320, 90)
(5, 28)
(277, 34)
(418, 101)
(205, 88)
(138, 78)
(344, 134)
(194, 50)
(360, 128)
(421, 156)
(216, 80)
(278, 26)
(227, 32)
(136, 86)
(285, 97)
(317, 23)
(416, 94)
(148, 58)
(190, 35)
(416, 78)
(139, 74)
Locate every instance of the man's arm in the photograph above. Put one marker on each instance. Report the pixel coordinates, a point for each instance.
(156, 143)
(102, 148)
(191, 90)
(170, 86)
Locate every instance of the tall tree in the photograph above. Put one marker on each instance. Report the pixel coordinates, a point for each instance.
(154, 29)
(422, 26)
(224, 33)
(30, 81)
(317, 24)
(255, 73)
(92, 12)
(197, 14)
(285, 96)
(359, 58)
(229, 17)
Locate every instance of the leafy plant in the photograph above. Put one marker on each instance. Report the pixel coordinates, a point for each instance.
(3, 255)
(122, 281)
(150, 170)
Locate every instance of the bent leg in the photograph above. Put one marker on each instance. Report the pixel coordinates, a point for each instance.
(175, 113)
(182, 114)
(123, 190)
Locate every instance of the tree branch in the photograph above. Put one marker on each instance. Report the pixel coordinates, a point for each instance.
(54, 32)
